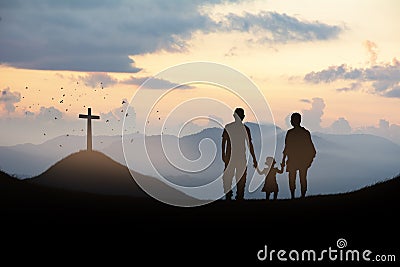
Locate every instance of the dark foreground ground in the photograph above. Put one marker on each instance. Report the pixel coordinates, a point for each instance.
(40, 224)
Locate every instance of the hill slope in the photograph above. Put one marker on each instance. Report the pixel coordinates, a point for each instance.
(126, 228)
(94, 172)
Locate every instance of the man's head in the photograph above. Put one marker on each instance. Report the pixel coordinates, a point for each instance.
(295, 119)
(240, 113)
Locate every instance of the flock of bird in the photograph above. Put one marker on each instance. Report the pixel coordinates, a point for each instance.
(65, 100)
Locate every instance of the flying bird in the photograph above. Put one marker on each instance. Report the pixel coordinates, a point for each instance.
(61, 101)
(123, 102)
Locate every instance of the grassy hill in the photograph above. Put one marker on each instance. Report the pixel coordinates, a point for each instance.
(131, 228)
(93, 172)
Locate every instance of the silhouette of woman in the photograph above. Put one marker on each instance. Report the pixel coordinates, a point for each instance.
(300, 151)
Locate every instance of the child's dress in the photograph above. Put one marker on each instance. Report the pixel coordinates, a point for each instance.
(270, 184)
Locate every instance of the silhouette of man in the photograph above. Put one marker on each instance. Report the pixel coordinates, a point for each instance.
(235, 137)
(300, 151)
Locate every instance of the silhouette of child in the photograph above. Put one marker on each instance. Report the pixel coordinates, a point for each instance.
(270, 184)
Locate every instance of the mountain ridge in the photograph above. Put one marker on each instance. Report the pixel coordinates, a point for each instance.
(340, 163)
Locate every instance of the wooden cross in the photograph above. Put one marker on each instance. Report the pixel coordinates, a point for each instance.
(89, 118)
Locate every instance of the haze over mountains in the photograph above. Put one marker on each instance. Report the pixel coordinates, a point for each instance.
(343, 162)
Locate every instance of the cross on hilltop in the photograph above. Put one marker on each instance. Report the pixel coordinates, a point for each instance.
(89, 118)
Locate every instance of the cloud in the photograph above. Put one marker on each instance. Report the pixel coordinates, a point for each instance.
(29, 113)
(114, 118)
(340, 126)
(116, 113)
(98, 79)
(273, 27)
(8, 99)
(49, 114)
(330, 74)
(50, 122)
(381, 79)
(312, 117)
(372, 51)
(353, 87)
(154, 83)
(394, 92)
(384, 129)
(312, 120)
(99, 36)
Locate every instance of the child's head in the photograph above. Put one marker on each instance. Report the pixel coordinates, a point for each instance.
(270, 161)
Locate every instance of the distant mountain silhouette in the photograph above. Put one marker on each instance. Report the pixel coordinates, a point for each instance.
(93, 172)
(343, 163)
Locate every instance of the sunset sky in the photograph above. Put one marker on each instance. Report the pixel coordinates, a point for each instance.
(336, 62)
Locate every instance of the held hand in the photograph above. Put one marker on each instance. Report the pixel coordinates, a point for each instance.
(225, 160)
(255, 164)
